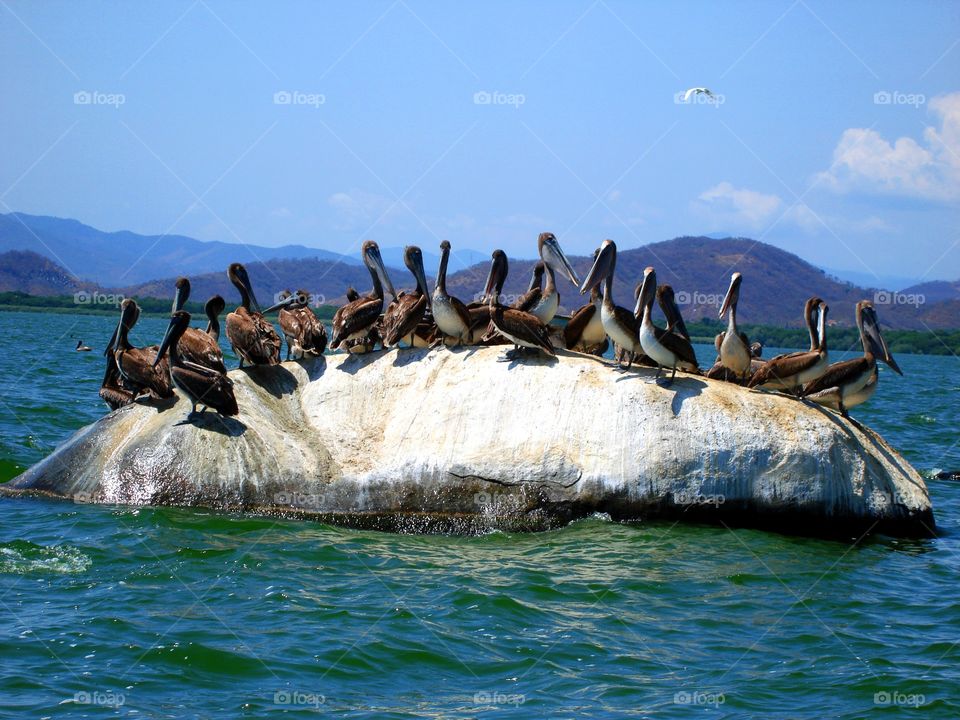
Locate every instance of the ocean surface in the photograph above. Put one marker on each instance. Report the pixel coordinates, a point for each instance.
(168, 613)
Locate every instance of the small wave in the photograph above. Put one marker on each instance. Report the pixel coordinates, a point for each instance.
(25, 558)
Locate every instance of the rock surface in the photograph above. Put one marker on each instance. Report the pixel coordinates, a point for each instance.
(455, 441)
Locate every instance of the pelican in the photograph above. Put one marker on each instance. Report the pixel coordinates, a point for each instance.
(452, 317)
(200, 346)
(304, 333)
(253, 338)
(619, 323)
(793, 370)
(81, 347)
(851, 382)
(667, 302)
(201, 384)
(406, 313)
(135, 365)
(543, 303)
(584, 332)
(112, 391)
(521, 328)
(733, 346)
(667, 349)
(696, 91)
(355, 319)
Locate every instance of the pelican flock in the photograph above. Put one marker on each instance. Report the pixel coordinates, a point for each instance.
(190, 360)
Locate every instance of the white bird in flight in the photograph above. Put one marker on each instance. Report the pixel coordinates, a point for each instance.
(696, 91)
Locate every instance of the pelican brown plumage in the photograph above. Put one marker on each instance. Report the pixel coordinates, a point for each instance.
(850, 382)
(252, 337)
(112, 391)
(735, 358)
(793, 370)
(454, 320)
(202, 385)
(667, 349)
(521, 328)
(543, 302)
(584, 332)
(354, 320)
(136, 365)
(406, 313)
(304, 333)
(200, 346)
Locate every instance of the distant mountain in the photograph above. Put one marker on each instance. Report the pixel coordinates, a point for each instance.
(460, 259)
(28, 272)
(935, 291)
(866, 279)
(126, 258)
(117, 258)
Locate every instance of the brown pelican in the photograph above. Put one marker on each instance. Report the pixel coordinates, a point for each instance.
(536, 284)
(667, 349)
(200, 346)
(81, 347)
(355, 319)
(521, 328)
(452, 317)
(851, 382)
(202, 385)
(406, 313)
(793, 370)
(733, 346)
(112, 391)
(584, 332)
(667, 302)
(135, 365)
(619, 323)
(543, 303)
(253, 338)
(302, 329)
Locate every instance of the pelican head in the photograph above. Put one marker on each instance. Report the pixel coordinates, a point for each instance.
(373, 260)
(214, 306)
(733, 294)
(181, 294)
(179, 322)
(237, 274)
(284, 300)
(648, 291)
(413, 259)
(496, 277)
(870, 333)
(536, 275)
(552, 255)
(604, 263)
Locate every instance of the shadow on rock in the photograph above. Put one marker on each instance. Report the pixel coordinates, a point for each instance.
(211, 421)
(275, 379)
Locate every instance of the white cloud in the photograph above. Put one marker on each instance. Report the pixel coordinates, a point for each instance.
(736, 208)
(930, 169)
(357, 210)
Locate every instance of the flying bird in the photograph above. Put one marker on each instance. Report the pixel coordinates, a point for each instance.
(696, 91)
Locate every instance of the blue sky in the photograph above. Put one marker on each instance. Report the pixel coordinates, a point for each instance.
(408, 122)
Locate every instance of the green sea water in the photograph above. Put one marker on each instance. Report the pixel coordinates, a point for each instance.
(172, 613)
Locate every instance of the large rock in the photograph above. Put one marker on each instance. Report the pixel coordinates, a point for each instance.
(455, 441)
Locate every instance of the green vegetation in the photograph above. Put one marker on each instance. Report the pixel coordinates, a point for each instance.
(107, 304)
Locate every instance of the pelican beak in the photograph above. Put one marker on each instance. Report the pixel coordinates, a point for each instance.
(601, 268)
(178, 300)
(111, 346)
(377, 261)
(555, 258)
(422, 279)
(878, 346)
(286, 302)
(249, 288)
(647, 291)
(165, 343)
(732, 296)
